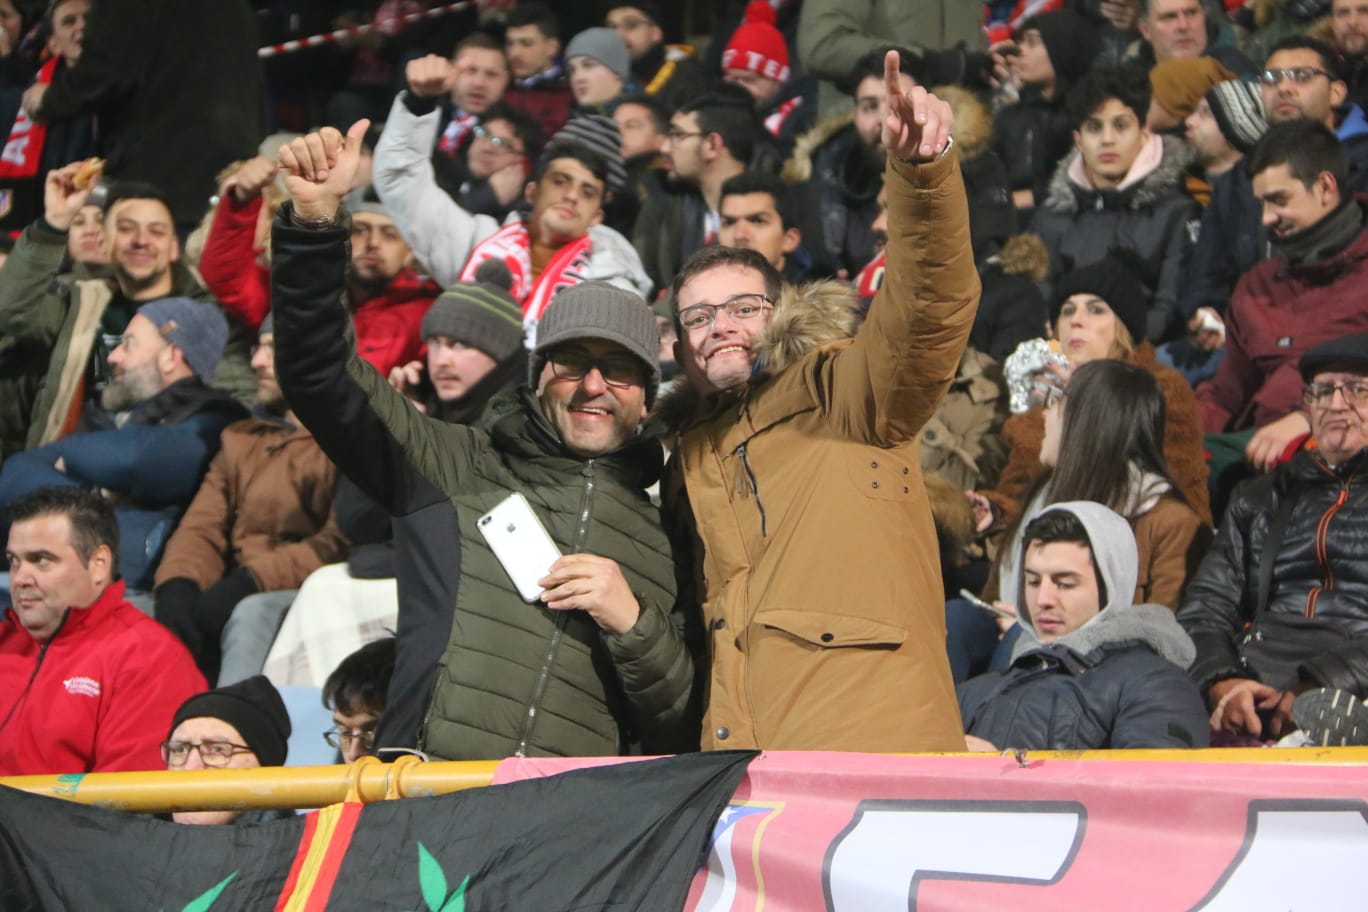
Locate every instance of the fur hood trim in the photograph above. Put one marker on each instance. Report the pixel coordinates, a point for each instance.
(1024, 254)
(1063, 195)
(806, 317)
(798, 168)
(972, 129)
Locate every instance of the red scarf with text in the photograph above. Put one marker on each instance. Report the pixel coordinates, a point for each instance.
(24, 149)
(512, 245)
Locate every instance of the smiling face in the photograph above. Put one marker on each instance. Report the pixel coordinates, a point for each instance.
(143, 246)
(593, 417)
(1338, 425)
(454, 367)
(720, 355)
(1109, 141)
(1315, 99)
(47, 575)
(566, 202)
(1086, 329)
(1060, 588)
(480, 79)
(1289, 205)
(592, 82)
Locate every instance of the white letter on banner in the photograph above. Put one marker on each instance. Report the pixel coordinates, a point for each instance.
(889, 847)
(1297, 855)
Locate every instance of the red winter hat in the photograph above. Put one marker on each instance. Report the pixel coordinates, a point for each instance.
(757, 45)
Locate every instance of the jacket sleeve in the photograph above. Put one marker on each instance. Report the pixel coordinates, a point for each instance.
(1211, 612)
(29, 470)
(1184, 447)
(1210, 271)
(368, 429)
(1165, 316)
(885, 386)
(1023, 435)
(31, 312)
(228, 266)
(288, 564)
(441, 233)
(1225, 395)
(831, 38)
(1158, 710)
(656, 668)
(1345, 667)
(199, 549)
(146, 694)
(1177, 542)
(114, 43)
(157, 466)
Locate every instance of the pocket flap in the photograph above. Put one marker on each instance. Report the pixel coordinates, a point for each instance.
(833, 630)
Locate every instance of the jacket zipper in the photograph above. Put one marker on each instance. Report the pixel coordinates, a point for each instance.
(562, 617)
(749, 485)
(1322, 532)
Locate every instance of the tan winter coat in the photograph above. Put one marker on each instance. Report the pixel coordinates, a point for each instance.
(817, 561)
(265, 504)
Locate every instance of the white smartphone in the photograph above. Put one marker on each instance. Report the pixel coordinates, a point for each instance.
(521, 543)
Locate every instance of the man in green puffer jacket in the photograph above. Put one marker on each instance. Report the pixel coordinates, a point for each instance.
(600, 662)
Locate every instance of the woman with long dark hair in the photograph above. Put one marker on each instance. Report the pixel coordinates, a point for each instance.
(1103, 442)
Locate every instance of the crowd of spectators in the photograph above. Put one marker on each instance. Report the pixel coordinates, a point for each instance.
(1061, 304)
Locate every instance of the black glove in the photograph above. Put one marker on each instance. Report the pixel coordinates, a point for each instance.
(175, 608)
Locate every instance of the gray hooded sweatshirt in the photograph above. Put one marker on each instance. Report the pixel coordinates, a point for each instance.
(1118, 681)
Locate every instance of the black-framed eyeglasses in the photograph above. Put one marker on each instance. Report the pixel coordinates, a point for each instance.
(1298, 75)
(498, 142)
(217, 754)
(1355, 393)
(675, 136)
(738, 307)
(618, 371)
(340, 738)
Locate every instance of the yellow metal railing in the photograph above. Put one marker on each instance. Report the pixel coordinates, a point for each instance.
(371, 780)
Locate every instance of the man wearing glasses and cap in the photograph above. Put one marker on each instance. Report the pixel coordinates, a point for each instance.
(819, 578)
(1279, 607)
(598, 662)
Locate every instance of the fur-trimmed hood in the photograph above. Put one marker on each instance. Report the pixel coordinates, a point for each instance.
(806, 317)
(1023, 254)
(1064, 196)
(972, 129)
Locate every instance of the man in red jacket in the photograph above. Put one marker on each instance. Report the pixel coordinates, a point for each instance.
(88, 683)
(387, 297)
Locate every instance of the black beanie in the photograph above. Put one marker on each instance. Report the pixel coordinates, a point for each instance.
(480, 313)
(1070, 40)
(1118, 278)
(253, 707)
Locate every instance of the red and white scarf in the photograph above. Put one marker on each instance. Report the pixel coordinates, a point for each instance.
(775, 122)
(512, 245)
(456, 130)
(23, 151)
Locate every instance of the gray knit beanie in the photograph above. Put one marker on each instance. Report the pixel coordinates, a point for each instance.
(597, 310)
(197, 329)
(480, 313)
(604, 45)
(600, 133)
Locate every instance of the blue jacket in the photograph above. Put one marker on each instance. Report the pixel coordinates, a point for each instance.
(156, 461)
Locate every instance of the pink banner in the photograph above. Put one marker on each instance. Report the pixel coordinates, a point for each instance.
(869, 833)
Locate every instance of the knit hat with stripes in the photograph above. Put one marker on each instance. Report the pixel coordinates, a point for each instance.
(1238, 108)
(600, 133)
(480, 313)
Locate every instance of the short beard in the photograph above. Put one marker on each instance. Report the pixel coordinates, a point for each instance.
(132, 390)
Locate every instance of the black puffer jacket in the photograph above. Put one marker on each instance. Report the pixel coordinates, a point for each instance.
(1032, 137)
(836, 191)
(1321, 571)
(1080, 225)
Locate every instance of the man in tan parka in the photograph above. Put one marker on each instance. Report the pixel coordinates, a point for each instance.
(816, 559)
